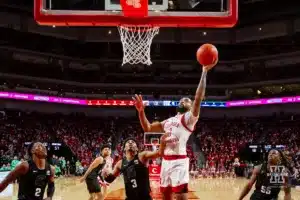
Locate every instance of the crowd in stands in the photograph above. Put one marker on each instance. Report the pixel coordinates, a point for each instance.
(221, 140)
(213, 147)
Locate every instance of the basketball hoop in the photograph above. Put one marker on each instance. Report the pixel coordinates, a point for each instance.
(155, 144)
(136, 39)
(136, 42)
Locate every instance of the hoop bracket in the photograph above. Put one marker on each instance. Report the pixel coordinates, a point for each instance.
(134, 8)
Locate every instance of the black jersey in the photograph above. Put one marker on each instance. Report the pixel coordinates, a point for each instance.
(95, 172)
(32, 184)
(266, 187)
(136, 179)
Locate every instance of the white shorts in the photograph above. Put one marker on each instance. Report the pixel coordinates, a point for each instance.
(174, 174)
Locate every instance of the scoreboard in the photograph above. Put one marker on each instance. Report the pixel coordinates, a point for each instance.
(265, 148)
(51, 146)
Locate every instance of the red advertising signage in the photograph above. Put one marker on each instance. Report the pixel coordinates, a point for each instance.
(154, 172)
(110, 103)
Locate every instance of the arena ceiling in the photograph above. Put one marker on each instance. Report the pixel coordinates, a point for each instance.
(253, 15)
(257, 34)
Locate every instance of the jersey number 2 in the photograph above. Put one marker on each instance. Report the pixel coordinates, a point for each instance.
(37, 192)
(134, 184)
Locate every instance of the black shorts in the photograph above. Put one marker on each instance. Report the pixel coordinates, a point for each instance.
(259, 196)
(135, 197)
(149, 198)
(93, 186)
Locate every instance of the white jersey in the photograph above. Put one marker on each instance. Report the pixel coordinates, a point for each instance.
(179, 127)
(108, 167)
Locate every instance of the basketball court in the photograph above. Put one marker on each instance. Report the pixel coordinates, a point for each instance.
(204, 189)
(139, 22)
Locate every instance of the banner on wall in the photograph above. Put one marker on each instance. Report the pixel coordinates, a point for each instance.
(151, 103)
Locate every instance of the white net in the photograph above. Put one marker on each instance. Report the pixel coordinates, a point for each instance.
(136, 41)
(154, 143)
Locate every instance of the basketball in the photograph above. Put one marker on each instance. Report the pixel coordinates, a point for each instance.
(207, 54)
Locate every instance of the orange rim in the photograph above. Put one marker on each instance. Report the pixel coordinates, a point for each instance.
(145, 28)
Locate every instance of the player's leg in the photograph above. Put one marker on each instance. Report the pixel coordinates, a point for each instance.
(63, 171)
(181, 196)
(94, 189)
(97, 190)
(180, 179)
(89, 188)
(180, 192)
(104, 191)
(98, 196)
(165, 183)
(104, 186)
(167, 193)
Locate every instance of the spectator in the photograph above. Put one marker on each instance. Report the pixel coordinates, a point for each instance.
(14, 163)
(5, 167)
(212, 151)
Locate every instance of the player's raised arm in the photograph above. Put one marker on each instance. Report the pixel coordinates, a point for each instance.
(250, 183)
(109, 178)
(13, 175)
(147, 127)
(200, 92)
(94, 164)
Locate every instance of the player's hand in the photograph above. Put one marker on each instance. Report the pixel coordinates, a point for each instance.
(164, 137)
(138, 102)
(81, 180)
(105, 173)
(209, 67)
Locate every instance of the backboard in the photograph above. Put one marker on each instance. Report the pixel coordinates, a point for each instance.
(152, 139)
(160, 13)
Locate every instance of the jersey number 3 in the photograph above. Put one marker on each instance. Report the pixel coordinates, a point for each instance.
(37, 192)
(133, 182)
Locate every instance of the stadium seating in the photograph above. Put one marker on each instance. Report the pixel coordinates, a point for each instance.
(218, 140)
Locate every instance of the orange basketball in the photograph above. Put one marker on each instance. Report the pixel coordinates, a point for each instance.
(207, 54)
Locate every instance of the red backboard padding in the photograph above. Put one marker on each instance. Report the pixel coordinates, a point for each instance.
(44, 18)
(134, 8)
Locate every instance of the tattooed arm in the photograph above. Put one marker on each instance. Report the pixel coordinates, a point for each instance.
(200, 92)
